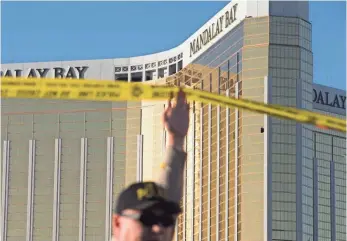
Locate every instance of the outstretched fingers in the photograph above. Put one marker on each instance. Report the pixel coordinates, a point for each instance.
(181, 98)
(169, 104)
(168, 108)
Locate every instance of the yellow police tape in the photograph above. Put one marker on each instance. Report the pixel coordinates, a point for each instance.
(96, 90)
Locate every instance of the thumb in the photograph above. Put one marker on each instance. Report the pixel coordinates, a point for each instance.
(169, 105)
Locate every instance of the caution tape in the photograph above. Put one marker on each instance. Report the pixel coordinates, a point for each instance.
(96, 90)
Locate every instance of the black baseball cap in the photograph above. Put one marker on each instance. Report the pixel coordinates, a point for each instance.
(145, 196)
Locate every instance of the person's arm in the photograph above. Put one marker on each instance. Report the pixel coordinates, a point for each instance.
(176, 121)
(171, 172)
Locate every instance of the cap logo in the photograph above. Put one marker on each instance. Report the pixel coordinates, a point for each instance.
(147, 191)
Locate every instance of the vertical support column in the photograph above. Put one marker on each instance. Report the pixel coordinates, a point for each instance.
(201, 162)
(227, 130)
(31, 187)
(129, 73)
(332, 201)
(185, 198)
(164, 148)
(185, 194)
(56, 192)
(299, 127)
(236, 152)
(143, 73)
(209, 166)
(193, 173)
(218, 161)
(139, 176)
(83, 187)
(4, 189)
(315, 190)
(109, 188)
(332, 193)
(267, 164)
(164, 139)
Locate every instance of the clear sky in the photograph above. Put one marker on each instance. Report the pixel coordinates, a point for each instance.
(49, 31)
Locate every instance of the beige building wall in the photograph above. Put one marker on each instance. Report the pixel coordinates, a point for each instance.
(133, 129)
(152, 130)
(65, 163)
(250, 213)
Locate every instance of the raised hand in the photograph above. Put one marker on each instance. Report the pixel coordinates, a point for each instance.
(176, 120)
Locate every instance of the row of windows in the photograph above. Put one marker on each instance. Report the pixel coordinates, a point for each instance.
(283, 235)
(284, 28)
(284, 177)
(284, 39)
(284, 225)
(280, 72)
(323, 210)
(284, 206)
(306, 56)
(283, 148)
(305, 31)
(278, 215)
(282, 128)
(283, 187)
(306, 68)
(307, 44)
(284, 196)
(324, 197)
(279, 20)
(284, 63)
(322, 138)
(284, 52)
(283, 168)
(289, 92)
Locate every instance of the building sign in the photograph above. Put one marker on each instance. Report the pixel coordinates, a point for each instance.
(58, 72)
(213, 30)
(329, 99)
(332, 100)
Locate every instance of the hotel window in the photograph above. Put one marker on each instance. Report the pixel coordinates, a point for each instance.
(136, 77)
(179, 65)
(161, 72)
(172, 69)
(121, 77)
(149, 75)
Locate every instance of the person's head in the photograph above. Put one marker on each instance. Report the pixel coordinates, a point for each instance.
(143, 214)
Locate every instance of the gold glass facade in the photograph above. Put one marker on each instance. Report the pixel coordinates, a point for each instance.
(228, 153)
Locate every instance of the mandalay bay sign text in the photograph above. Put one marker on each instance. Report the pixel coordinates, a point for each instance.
(57, 72)
(221, 23)
(329, 99)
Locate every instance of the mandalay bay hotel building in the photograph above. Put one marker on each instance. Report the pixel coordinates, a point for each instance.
(249, 177)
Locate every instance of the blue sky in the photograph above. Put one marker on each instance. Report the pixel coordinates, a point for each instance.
(48, 31)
